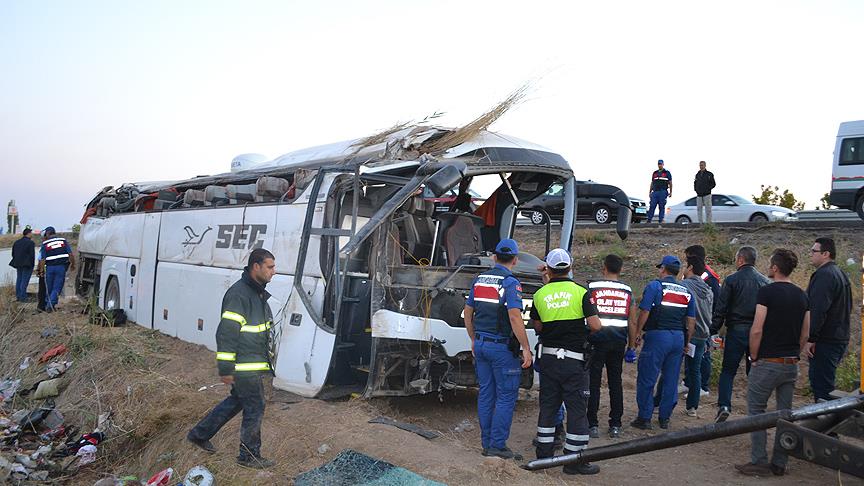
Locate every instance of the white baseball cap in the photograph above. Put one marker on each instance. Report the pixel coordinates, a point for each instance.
(558, 258)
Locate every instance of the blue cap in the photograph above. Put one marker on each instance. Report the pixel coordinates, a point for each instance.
(669, 261)
(49, 229)
(507, 247)
(660, 161)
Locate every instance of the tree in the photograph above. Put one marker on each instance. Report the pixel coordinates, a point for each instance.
(825, 202)
(773, 196)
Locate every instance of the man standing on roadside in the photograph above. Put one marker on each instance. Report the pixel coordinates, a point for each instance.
(493, 320)
(830, 294)
(613, 299)
(661, 188)
(735, 309)
(243, 358)
(55, 256)
(563, 316)
(702, 184)
(710, 277)
(667, 313)
(779, 333)
(23, 259)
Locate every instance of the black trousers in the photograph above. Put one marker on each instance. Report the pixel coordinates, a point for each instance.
(609, 354)
(564, 381)
(247, 395)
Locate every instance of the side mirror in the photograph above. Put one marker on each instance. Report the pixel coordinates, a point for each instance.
(443, 179)
(729, 203)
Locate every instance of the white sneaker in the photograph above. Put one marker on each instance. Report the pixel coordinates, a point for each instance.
(704, 393)
(682, 388)
(691, 412)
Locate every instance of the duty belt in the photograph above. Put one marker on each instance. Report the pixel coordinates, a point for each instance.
(561, 353)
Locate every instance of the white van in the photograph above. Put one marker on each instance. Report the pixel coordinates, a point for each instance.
(847, 175)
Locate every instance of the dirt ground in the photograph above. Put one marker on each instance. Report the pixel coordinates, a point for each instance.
(151, 382)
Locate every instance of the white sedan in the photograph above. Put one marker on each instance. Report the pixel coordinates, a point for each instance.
(728, 208)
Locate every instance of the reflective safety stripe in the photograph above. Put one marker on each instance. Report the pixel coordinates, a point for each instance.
(606, 284)
(259, 328)
(251, 367)
(574, 448)
(545, 440)
(233, 316)
(65, 255)
(226, 356)
(606, 322)
(546, 430)
(583, 438)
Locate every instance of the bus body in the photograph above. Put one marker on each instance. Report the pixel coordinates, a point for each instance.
(371, 280)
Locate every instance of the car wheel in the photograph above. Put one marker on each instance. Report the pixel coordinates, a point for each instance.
(537, 217)
(601, 215)
(683, 220)
(859, 207)
(758, 218)
(112, 294)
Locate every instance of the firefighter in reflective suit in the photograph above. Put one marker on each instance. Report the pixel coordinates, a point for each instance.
(243, 358)
(563, 316)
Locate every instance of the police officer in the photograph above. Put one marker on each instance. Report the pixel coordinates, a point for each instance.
(243, 358)
(613, 300)
(559, 314)
(55, 256)
(661, 188)
(493, 319)
(667, 314)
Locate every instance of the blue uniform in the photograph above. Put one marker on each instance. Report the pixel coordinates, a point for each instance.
(55, 253)
(499, 372)
(660, 180)
(669, 304)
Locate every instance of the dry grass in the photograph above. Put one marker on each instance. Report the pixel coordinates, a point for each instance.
(469, 131)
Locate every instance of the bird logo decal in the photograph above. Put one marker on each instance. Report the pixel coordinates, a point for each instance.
(192, 237)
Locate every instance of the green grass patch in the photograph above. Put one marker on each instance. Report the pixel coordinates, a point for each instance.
(81, 345)
(590, 237)
(849, 372)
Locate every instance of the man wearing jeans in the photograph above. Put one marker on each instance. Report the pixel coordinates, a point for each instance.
(702, 184)
(704, 298)
(735, 309)
(23, 258)
(661, 189)
(779, 332)
(830, 294)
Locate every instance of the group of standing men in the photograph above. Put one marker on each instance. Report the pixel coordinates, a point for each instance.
(55, 257)
(581, 330)
(661, 189)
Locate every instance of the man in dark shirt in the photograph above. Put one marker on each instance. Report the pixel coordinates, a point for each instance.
(661, 188)
(23, 258)
(830, 294)
(778, 334)
(702, 184)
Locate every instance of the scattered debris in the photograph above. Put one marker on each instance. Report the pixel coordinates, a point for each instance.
(464, 426)
(49, 332)
(8, 389)
(734, 241)
(25, 363)
(323, 449)
(198, 476)
(162, 478)
(86, 454)
(47, 389)
(352, 467)
(55, 351)
(57, 368)
(205, 387)
(428, 434)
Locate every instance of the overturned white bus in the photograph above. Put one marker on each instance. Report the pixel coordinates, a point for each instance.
(371, 279)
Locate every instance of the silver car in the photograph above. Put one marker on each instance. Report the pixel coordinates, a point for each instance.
(728, 208)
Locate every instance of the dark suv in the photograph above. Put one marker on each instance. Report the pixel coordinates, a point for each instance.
(594, 202)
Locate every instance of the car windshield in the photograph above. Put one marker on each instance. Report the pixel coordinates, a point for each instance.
(739, 199)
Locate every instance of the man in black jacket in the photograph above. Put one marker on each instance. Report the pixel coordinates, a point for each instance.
(243, 357)
(735, 309)
(702, 184)
(23, 258)
(830, 294)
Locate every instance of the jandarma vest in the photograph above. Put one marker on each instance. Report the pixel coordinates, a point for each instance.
(612, 300)
(490, 311)
(56, 251)
(671, 313)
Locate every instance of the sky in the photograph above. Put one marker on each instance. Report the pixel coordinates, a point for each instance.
(97, 93)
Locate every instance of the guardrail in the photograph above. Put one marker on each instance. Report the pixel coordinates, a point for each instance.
(828, 215)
